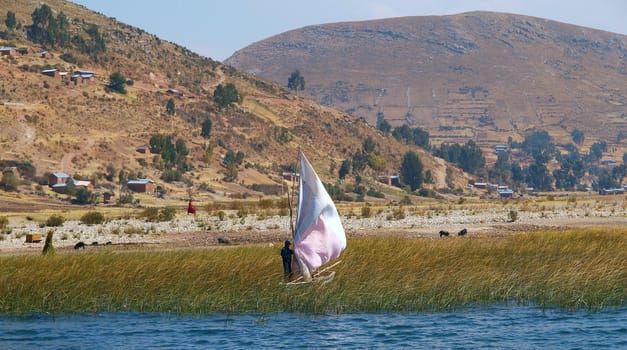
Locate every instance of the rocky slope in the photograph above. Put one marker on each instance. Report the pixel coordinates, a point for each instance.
(86, 130)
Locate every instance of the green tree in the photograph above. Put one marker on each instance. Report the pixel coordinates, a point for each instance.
(360, 160)
(345, 168)
(403, 133)
(428, 177)
(471, 158)
(84, 196)
(110, 174)
(605, 180)
(9, 182)
(205, 131)
(226, 95)
(282, 134)
(231, 161)
(577, 136)
(411, 170)
(384, 126)
(181, 150)
(537, 176)
(539, 145)
(62, 33)
(369, 145)
(122, 177)
(170, 108)
(42, 19)
(117, 82)
(421, 138)
(296, 81)
(596, 151)
(10, 21)
(48, 30)
(97, 44)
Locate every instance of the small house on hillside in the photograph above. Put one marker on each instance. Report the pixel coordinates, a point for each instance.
(499, 148)
(141, 185)
(175, 92)
(391, 180)
(57, 178)
(506, 193)
(25, 51)
(606, 191)
(62, 187)
(85, 184)
(51, 72)
(83, 76)
(480, 185)
(289, 176)
(8, 51)
(143, 149)
(107, 197)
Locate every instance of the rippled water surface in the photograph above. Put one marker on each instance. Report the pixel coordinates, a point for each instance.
(503, 327)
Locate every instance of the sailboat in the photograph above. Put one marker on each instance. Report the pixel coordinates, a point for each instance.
(318, 235)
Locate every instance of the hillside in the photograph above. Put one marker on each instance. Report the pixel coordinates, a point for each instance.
(478, 76)
(87, 130)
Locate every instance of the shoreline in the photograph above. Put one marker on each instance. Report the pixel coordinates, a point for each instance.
(203, 230)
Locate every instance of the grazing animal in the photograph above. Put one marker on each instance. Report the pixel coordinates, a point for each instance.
(79, 245)
(224, 240)
(108, 243)
(463, 232)
(444, 233)
(94, 243)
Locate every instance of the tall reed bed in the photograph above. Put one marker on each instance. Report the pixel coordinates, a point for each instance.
(576, 269)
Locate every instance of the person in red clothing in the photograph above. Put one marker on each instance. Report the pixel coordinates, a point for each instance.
(190, 208)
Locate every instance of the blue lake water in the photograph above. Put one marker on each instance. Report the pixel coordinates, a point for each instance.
(498, 327)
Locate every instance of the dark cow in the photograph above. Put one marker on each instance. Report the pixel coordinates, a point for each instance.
(444, 233)
(463, 232)
(223, 240)
(79, 245)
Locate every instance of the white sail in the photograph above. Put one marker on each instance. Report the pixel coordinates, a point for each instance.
(319, 236)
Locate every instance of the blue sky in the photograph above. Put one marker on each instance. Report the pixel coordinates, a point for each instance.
(219, 28)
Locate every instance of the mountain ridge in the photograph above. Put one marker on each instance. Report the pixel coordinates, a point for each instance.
(479, 76)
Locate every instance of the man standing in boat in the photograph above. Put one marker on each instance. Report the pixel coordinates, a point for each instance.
(286, 254)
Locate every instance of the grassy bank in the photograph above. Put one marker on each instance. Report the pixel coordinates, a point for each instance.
(576, 269)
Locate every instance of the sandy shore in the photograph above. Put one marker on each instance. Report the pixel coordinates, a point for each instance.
(204, 230)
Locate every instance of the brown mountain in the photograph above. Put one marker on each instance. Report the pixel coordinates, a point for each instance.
(81, 127)
(482, 76)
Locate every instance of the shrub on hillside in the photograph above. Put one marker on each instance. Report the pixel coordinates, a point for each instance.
(92, 218)
(4, 224)
(372, 192)
(55, 220)
(156, 215)
(117, 83)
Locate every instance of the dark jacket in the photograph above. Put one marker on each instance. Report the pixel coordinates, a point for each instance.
(286, 254)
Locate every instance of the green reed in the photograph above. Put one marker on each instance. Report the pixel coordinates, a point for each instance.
(575, 269)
